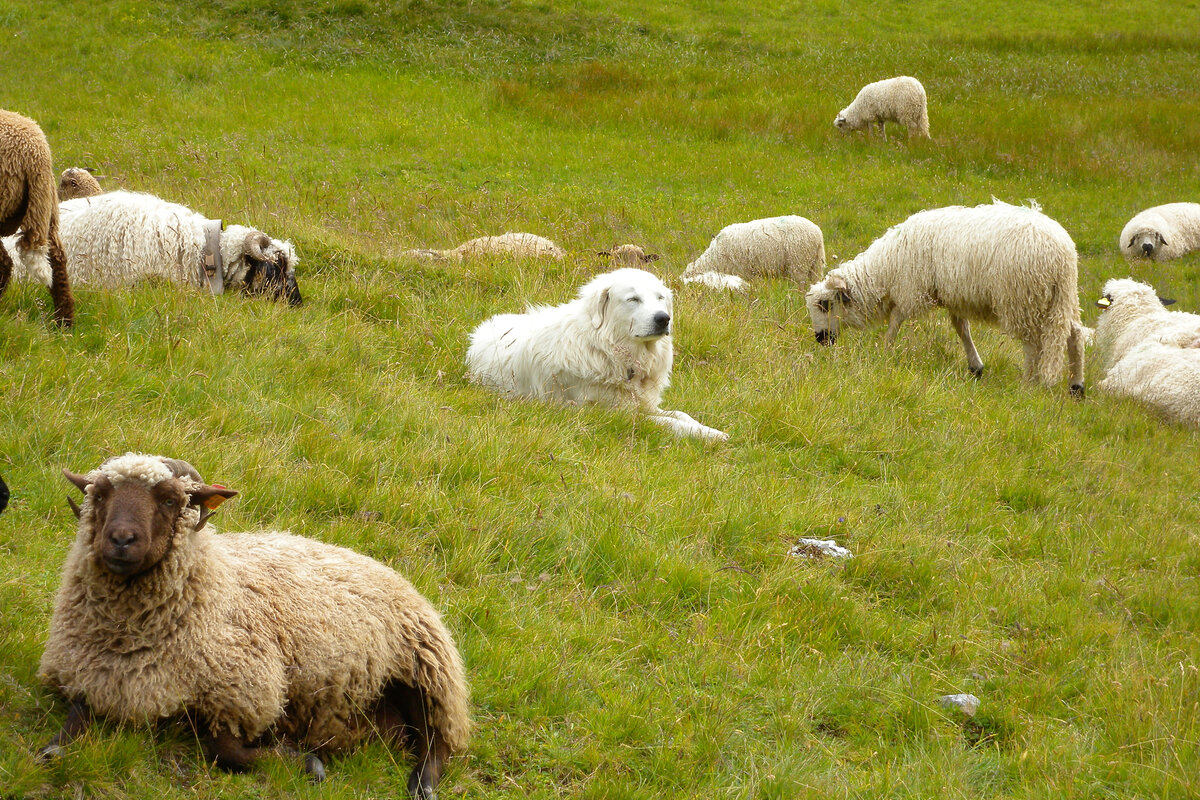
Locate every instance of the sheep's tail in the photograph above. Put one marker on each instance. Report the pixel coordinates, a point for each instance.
(717, 280)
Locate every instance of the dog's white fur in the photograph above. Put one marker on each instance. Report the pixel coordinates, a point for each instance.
(610, 345)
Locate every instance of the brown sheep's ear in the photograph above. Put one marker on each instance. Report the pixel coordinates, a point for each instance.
(1167, 301)
(81, 482)
(604, 253)
(207, 499)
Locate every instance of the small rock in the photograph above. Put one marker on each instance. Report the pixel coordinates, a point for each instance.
(819, 548)
(966, 703)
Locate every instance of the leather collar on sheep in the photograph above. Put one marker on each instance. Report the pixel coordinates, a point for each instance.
(212, 268)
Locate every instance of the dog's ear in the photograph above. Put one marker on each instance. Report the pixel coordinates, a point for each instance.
(598, 307)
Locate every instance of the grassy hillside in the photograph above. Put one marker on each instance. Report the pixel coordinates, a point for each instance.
(632, 623)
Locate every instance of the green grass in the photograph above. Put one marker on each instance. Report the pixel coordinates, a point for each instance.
(632, 624)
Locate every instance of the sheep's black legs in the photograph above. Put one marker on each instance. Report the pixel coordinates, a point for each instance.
(60, 286)
(229, 753)
(6, 266)
(403, 713)
(79, 717)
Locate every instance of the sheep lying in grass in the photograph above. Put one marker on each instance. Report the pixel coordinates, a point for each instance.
(629, 255)
(1162, 232)
(77, 182)
(997, 263)
(253, 635)
(29, 204)
(1148, 353)
(790, 245)
(611, 345)
(514, 245)
(117, 238)
(899, 100)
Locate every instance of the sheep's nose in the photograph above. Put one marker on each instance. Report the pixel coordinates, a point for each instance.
(825, 337)
(661, 320)
(122, 537)
(1147, 248)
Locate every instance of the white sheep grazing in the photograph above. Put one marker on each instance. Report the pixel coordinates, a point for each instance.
(1147, 353)
(899, 100)
(513, 245)
(775, 246)
(1008, 265)
(1162, 232)
(253, 635)
(118, 238)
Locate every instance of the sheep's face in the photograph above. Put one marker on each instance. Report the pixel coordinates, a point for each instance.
(828, 301)
(133, 524)
(1130, 293)
(77, 182)
(270, 269)
(1145, 243)
(842, 122)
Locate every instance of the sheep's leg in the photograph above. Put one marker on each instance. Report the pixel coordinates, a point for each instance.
(963, 328)
(423, 781)
(60, 286)
(229, 752)
(1075, 359)
(895, 320)
(404, 710)
(79, 717)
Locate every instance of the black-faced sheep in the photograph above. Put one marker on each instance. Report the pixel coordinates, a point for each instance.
(899, 100)
(1008, 265)
(77, 182)
(513, 245)
(117, 238)
(253, 634)
(789, 245)
(1162, 232)
(29, 204)
(1147, 352)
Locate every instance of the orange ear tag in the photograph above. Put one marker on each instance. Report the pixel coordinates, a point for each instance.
(215, 500)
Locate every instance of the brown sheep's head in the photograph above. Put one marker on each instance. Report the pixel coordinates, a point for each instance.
(77, 182)
(134, 519)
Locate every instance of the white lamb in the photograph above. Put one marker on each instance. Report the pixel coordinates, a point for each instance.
(118, 238)
(514, 245)
(899, 100)
(1008, 265)
(790, 245)
(1148, 353)
(1162, 232)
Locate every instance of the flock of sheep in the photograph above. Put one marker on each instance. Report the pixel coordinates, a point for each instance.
(271, 634)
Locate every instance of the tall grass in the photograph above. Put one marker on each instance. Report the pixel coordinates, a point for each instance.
(631, 620)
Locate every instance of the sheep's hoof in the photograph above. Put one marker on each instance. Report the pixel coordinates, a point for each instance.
(419, 787)
(976, 372)
(48, 753)
(1077, 391)
(314, 767)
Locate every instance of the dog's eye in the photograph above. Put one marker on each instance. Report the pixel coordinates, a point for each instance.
(634, 300)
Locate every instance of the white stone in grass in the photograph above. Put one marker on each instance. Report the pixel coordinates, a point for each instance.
(968, 704)
(819, 548)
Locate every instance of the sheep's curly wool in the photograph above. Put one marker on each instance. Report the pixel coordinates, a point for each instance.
(256, 632)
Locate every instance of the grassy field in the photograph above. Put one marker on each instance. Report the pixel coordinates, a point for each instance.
(632, 623)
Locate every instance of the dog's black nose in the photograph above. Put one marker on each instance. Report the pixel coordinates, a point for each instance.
(661, 320)
(825, 337)
(1147, 248)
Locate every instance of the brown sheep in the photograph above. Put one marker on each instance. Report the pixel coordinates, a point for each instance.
(29, 203)
(255, 635)
(77, 182)
(630, 255)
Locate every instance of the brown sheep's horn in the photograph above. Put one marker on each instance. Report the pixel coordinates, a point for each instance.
(182, 469)
(81, 482)
(74, 507)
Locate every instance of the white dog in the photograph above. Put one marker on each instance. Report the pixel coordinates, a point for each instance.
(611, 345)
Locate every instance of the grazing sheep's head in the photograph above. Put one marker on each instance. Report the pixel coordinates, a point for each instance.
(270, 268)
(828, 302)
(1130, 293)
(135, 503)
(842, 122)
(630, 254)
(77, 182)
